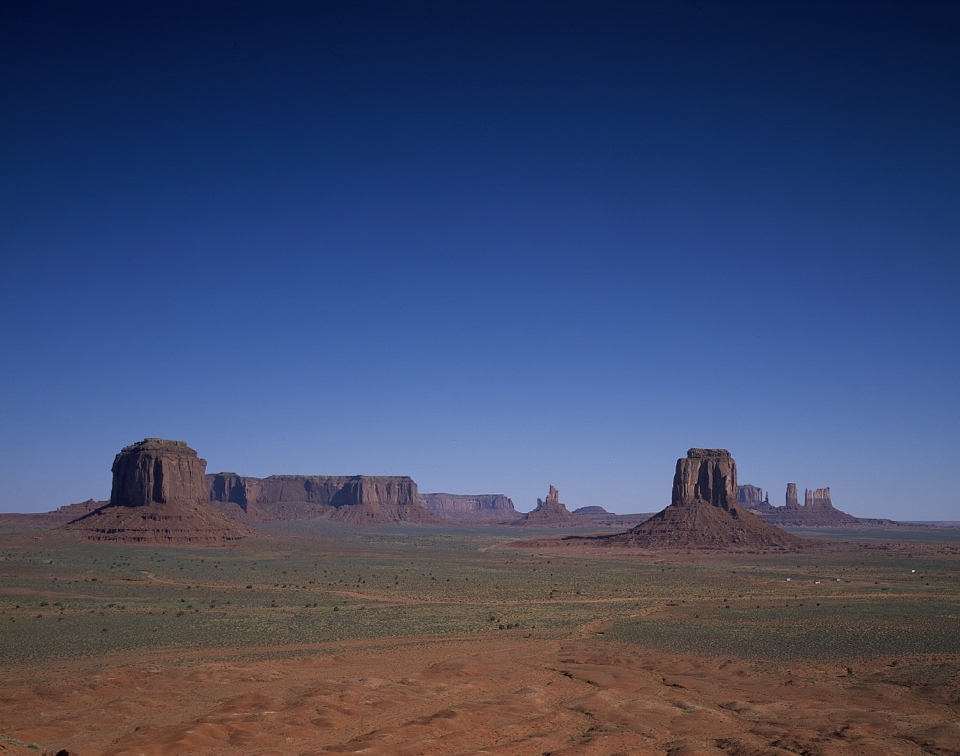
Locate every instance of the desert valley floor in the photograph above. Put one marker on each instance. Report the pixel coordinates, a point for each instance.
(420, 640)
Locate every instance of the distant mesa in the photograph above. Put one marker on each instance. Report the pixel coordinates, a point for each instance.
(549, 512)
(704, 512)
(356, 499)
(466, 507)
(591, 510)
(158, 496)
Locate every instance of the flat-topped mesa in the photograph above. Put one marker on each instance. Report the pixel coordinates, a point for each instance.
(749, 495)
(590, 510)
(157, 471)
(357, 499)
(487, 507)
(708, 475)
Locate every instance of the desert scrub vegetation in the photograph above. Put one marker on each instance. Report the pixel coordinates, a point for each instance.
(334, 586)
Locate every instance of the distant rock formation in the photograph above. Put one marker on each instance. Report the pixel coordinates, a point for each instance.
(158, 496)
(750, 495)
(485, 507)
(549, 512)
(357, 499)
(817, 511)
(593, 510)
(704, 513)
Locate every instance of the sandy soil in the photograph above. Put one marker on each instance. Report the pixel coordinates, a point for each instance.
(514, 696)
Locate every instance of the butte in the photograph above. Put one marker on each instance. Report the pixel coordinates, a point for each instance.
(159, 496)
(704, 513)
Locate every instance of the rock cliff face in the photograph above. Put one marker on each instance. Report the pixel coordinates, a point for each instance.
(157, 471)
(708, 475)
(749, 495)
(357, 499)
(158, 496)
(549, 512)
(486, 507)
(791, 501)
(704, 513)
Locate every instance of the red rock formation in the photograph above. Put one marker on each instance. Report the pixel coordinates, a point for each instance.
(158, 496)
(358, 499)
(749, 495)
(817, 511)
(549, 513)
(485, 507)
(703, 512)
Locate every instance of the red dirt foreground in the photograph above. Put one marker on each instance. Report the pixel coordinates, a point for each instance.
(465, 696)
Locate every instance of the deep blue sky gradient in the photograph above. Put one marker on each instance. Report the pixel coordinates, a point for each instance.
(491, 246)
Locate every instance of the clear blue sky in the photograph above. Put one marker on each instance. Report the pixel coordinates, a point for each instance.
(493, 246)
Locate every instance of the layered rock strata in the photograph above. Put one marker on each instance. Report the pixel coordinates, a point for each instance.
(158, 496)
(356, 499)
(486, 507)
(704, 512)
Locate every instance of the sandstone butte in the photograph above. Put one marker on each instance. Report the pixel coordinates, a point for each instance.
(464, 507)
(704, 513)
(158, 496)
(356, 500)
(549, 512)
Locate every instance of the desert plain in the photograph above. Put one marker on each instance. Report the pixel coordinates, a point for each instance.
(415, 639)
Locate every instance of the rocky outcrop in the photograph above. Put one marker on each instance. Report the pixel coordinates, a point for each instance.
(357, 499)
(704, 513)
(158, 496)
(485, 507)
(749, 495)
(549, 512)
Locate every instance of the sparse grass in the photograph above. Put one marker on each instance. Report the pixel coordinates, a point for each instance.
(342, 585)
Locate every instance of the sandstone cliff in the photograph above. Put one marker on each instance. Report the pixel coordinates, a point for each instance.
(357, 499)
(486, 507)
(704, 513)
(158, 496)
